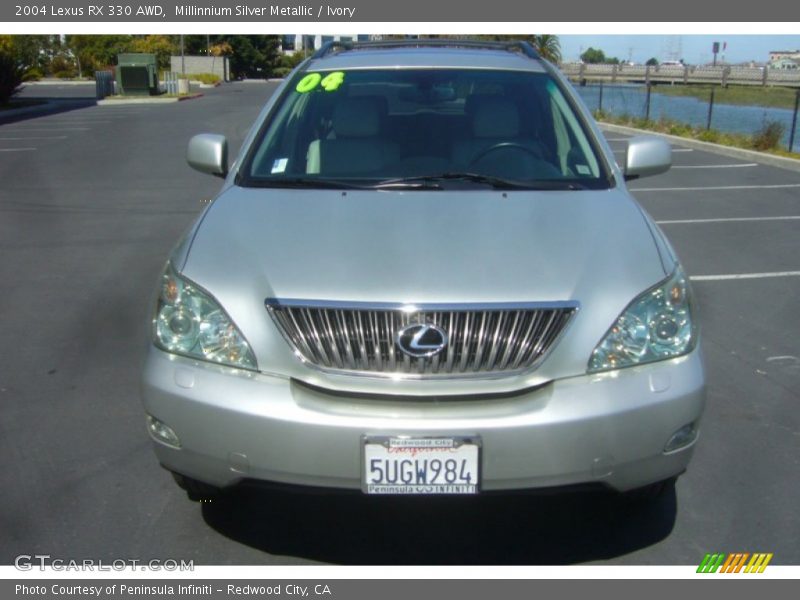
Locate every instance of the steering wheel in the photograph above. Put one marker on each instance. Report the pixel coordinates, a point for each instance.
(503, 146)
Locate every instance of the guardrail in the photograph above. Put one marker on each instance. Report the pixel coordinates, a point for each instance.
(722, 75)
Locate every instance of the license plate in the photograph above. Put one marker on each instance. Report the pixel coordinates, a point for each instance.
(407, 465)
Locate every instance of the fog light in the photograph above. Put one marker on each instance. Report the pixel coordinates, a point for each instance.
(162, 432)
(681, 438)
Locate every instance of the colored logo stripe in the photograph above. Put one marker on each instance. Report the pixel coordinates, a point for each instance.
(711, 563)
(735, 562)
(759, 561)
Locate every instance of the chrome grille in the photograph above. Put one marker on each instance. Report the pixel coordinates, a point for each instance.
(361, 338)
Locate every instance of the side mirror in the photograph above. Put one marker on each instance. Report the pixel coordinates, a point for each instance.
(647, 155)
(208, 153)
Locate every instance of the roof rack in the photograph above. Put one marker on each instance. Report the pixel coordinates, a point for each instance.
(514, 46)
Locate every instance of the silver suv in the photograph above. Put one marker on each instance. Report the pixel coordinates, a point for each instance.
(424, 275)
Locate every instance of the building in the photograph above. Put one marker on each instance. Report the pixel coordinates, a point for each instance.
(785, 64)
(297, 43)
(776, 55)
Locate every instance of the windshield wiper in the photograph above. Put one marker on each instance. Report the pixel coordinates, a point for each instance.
(555, 185)
(429, 181)
(308, 183)
(407, 183)
(416, 182)
(491, 180)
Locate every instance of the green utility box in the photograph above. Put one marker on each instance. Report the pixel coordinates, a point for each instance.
(137, 75)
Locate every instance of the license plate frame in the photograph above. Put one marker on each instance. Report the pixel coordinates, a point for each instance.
(399, 450)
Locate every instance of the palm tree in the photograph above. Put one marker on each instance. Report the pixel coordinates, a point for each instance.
(548, 47)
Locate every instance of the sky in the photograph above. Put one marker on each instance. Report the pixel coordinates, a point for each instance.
(694, 49)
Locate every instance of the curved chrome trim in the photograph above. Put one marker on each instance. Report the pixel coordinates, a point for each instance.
(273, 304)
(419, 306)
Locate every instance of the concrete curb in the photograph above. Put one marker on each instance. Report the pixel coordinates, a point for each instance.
(122, 101)
(792, 164)
(59, 82)
(136, 101)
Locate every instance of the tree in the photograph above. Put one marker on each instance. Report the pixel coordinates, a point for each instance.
(593, 56)
(548, 47)
(12, 68)
(287, 63)
(196, 45)
(652, 62)
(163, 46)
(252, 55)
(36, 51)
(221, 49)
(94, 52)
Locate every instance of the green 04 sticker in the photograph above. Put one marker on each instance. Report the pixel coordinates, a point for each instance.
(330, 83)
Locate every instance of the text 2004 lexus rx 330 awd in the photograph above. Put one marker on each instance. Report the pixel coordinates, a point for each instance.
(424, 275)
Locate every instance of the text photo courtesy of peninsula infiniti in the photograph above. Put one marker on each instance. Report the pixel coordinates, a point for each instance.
(424, 274)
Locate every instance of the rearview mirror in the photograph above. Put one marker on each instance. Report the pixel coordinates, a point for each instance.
(647, 155)
(208, 153)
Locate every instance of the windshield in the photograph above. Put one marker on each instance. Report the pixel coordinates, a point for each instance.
(424, 128)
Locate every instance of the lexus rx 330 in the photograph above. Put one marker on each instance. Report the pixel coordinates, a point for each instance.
(424, 274)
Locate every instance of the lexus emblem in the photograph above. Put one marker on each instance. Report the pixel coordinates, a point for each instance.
(421, 340)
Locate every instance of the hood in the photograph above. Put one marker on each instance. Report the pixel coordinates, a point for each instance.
(424, 247)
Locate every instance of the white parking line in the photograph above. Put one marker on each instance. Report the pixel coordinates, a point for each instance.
(674, 150)
(45, 129)
(736, 166)
(16, 149)
(46, 137)
(85, 114)
(78, 121)
(69, 118)
(719, 187)
(745, 276)
(728, 220)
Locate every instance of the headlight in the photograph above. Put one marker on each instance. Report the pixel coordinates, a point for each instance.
(657, 325)
(190, 322)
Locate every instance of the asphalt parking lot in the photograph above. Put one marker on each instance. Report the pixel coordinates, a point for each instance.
(93, 198)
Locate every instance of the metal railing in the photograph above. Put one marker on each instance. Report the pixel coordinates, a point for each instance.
(703, 108)
(722, 75)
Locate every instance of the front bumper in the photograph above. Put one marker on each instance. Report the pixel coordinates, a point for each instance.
(609, 428)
